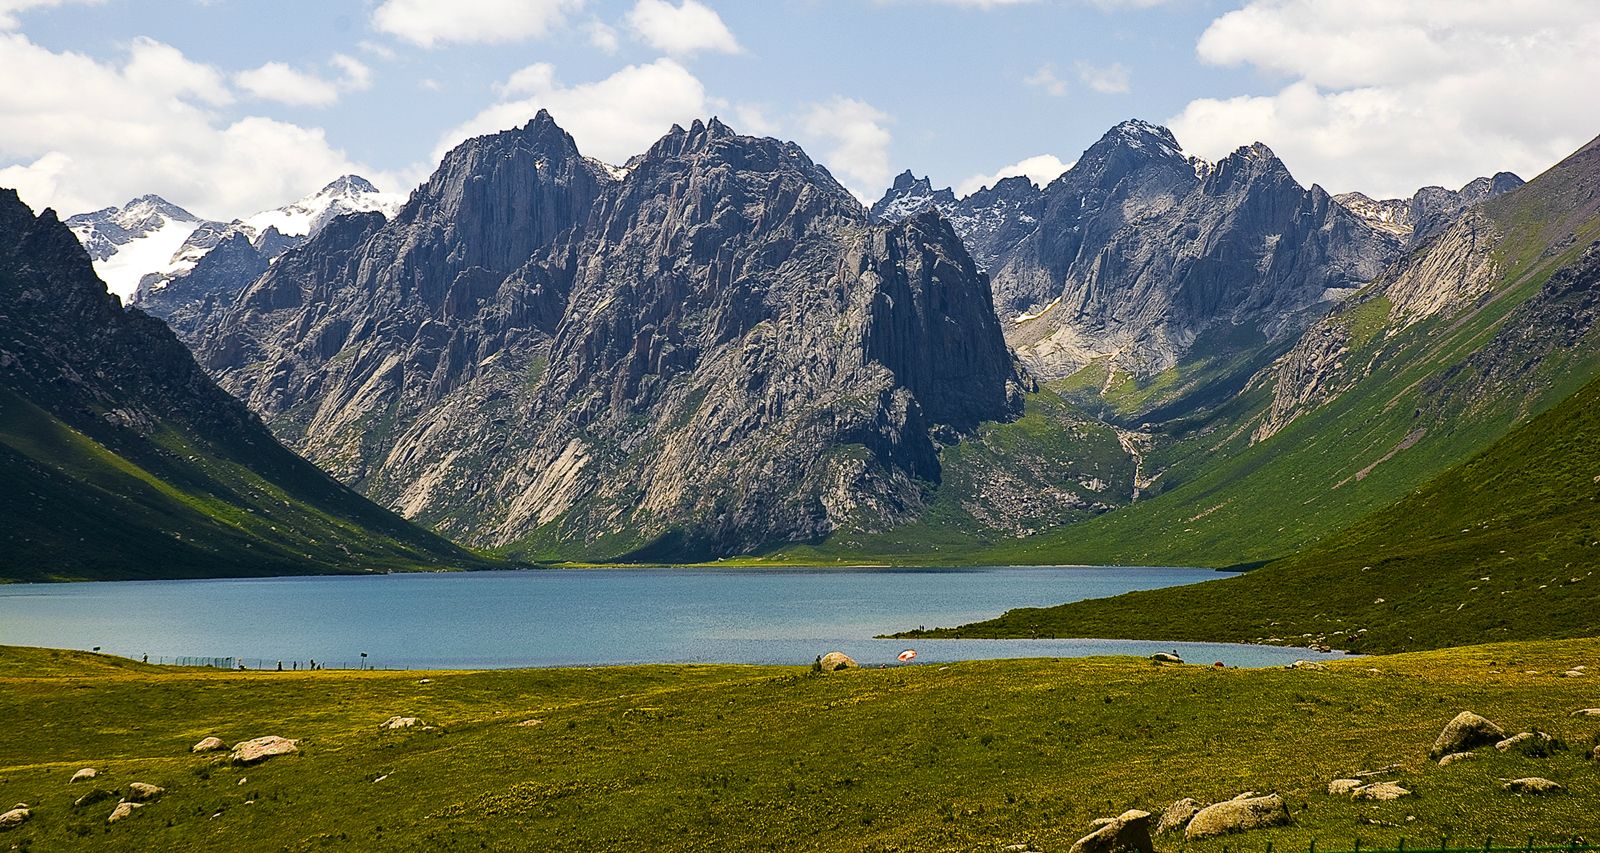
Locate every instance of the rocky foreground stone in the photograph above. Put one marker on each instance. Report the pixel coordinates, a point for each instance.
(1466, 732)
(1238, 815)
(262, 748)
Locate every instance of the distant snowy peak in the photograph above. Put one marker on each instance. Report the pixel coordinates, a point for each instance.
(139, 237)
(909, 196)
(303, 218)
(144, 244)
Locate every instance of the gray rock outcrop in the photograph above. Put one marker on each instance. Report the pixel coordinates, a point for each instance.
(1128, 832)
(833, 662)
(262, 748)
(1466, 732)
(1177, 815)
(1238, 815)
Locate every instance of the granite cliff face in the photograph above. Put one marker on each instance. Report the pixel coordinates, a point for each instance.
(716, 353)
(121, 458)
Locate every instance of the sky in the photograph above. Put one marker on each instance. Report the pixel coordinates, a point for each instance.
(227, 107)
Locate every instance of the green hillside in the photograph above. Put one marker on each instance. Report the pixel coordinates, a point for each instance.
(119, 459)
(1504, 546)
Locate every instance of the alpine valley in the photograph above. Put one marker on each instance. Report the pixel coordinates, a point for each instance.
(715, 351)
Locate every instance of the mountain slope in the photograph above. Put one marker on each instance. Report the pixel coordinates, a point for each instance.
(122, 460)
(1471, 335)
(1500, 547)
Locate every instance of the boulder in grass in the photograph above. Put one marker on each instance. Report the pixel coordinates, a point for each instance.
(1456, 757)
(1379, 791)
(833, 662)
(123, 809)
(15, 817)
(210, 744)
(400, 723)
(1178, 815)
(1586, 712)
(1343, 787)
(262, 748)
(85, 774)
(1128, 832)
(1166, 657)
(144, 792)
(1466, 732)
(1537, 785)
(1238, 816)
(96, 795)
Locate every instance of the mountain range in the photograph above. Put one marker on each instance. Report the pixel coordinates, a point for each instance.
(715, 350)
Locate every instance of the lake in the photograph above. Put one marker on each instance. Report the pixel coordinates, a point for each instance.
(583, 617)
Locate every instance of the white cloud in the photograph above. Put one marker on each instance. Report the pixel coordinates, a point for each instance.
(1385, 97)
(1041, 169)
(1110, 79)
(853, 139)
(81, 134)
(10, 8)
(603, 37)
(276, 81)
(430, 22)
(680, 30)
(1045, 78)
(357, 76)
(612, 119)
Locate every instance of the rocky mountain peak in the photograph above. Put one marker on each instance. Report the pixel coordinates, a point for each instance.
(347, 185)
(1151, 140)
(909, 196)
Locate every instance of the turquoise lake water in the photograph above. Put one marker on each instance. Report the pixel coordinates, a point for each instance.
(583, 617)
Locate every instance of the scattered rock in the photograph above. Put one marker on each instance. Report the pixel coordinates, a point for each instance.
(1380, 791)
(1452, 758)
(400, 722)
(1343, 787)
(262, 748)
(1166, 657)
(210, 744)
(426, 681)
(16, 817)
(1514, 741)
(1465, 733)
(1238, 816)
(1586, 712)
(529, 723)
(1178, 815)
(1594, 754)
(1128, 832)
(122, 810)
(143, 792)
(833, 661)
(97, 795)
(85, 774)
(1572, 673)
(1533, 785)
(1306, 664)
